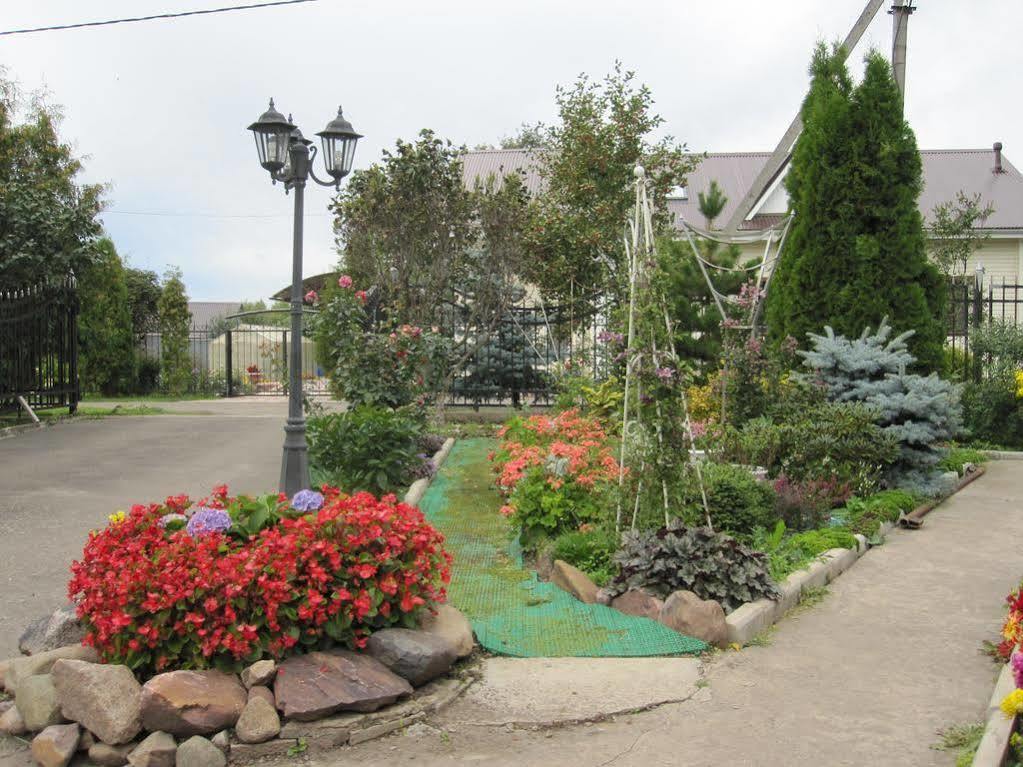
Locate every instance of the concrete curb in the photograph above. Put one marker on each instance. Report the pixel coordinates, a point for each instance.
(1004, 455)
(13, 431)
(995, 743)
(418, 488)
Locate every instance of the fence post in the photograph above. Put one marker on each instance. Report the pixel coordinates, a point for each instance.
(228, 363)
(978, 316)
(284, 356)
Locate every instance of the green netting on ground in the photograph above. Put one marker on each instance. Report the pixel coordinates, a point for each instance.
(511, 611)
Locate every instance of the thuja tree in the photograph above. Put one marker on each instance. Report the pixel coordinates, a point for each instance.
(175, 323)
(856, 250)
(106, 350)
(918, 411)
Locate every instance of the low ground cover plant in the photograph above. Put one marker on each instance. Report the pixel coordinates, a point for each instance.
(591, 549)
(230, 580)
(865, 515)
(788, 553)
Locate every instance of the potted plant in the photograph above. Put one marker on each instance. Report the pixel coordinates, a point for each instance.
(254, 375)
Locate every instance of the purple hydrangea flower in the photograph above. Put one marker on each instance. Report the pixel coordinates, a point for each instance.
(205, 521)
(166, 519)
(306, 500)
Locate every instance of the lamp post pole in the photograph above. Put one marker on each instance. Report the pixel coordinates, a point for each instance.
(289, 158)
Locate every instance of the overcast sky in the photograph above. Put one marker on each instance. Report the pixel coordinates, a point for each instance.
(159, 109)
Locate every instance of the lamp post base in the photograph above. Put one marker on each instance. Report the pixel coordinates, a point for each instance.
(295, 460)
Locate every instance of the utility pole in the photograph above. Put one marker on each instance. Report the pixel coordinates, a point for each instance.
(900, 12)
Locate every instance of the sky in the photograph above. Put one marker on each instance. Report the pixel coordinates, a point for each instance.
(159, 109)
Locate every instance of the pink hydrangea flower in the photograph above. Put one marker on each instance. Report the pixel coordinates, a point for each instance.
(344, 281)
(311, 297)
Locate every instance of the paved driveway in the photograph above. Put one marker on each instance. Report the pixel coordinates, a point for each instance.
(58, 483)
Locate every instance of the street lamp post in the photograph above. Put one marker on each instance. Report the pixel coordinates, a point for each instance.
(288, 157)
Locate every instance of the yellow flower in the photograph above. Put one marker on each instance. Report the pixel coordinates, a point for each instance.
(117, 517)
(1013, 704)
(1019, 384)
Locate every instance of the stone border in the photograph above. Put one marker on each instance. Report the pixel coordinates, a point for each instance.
(995, 743)
(418, 488)
(1004, 455)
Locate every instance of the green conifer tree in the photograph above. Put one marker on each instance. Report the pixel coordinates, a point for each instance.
(175, 324)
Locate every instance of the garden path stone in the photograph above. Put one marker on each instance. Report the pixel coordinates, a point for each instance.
(106, 699)
(37, 702)
(704, 619)
(57, 629)
(259, 721)
(574, 581)
(413, 655)
(55, 745)
(197, 751)
(450, 623)
(192, 702)
(105, 755)
(259, 673)
(157, 750)
(319, 683)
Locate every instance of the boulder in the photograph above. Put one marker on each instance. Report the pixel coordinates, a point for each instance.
(105, 755)
(157, 750)
(37, 702)
(104, 698)
(449, 623)
(574, 581)
(11, 722)
(192, 702)
(55, 745)
(319, 683)
(414, 655)
(199, 752)
(41, 663)
(263, 692)
(704, 619)
(638, 603)
(57, 629)
(259, 673)
(259, 721)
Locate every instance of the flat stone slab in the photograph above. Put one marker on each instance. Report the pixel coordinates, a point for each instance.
(560, 690)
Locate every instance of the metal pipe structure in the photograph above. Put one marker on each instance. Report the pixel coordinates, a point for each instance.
(900, 11)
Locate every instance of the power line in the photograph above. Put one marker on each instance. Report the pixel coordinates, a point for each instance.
(155, 17)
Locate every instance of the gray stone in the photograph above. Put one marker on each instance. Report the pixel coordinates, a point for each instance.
(37, 702)
(450, 623)
(258, 723)
(263, 692)
(574, 581)
(22, 668)
(415, 655)
(259, 673)
(384, 728)
(199, 752)
(319, 683)
(638, 603)
(12, 723)
(222, 740)
(57, 629)
(104, 698)
(325, 734)
(192, 702)
(687, 614)
(55, 745)
(105, 755)
(242, 753)
(157, 750)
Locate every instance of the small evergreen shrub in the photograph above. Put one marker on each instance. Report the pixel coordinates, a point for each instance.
(591, 549)
(738, 503)
(712, 565)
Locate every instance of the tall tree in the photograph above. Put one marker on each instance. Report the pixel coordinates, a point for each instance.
(107, 355)
(48, 225)
(175, 325)
(856, 250)
(587, 160)
(143, 301)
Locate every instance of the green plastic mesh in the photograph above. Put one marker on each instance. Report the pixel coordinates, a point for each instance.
(511, 611)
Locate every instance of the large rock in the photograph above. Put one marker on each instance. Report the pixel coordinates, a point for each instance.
(638, 603)
(104, 699)
(57, 629)
(37, 702)
(158, 750)
(199, 752)
(415, 655)
(450, 624)
(687, 614)
(259, 721)
(263, 692)
(574, 581)
(55, 745)
(319, 683)
(192, 702)
(105, 755)
(12, 723)
(259, 673)
(22, 668)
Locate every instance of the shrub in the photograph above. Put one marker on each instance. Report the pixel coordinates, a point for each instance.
(233, 580)
(711, 565)
(993, 412)
(738, 503)
(546, 503)
(865, 515)
(807, 504)
(958, 457)
(591, 549)
(367, 448)
(788, 553)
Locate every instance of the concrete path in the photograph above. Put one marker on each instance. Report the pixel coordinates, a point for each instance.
(58, 483)
(867, 677)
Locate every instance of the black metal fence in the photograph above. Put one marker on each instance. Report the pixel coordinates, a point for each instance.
(39, 346)
(970, 304)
